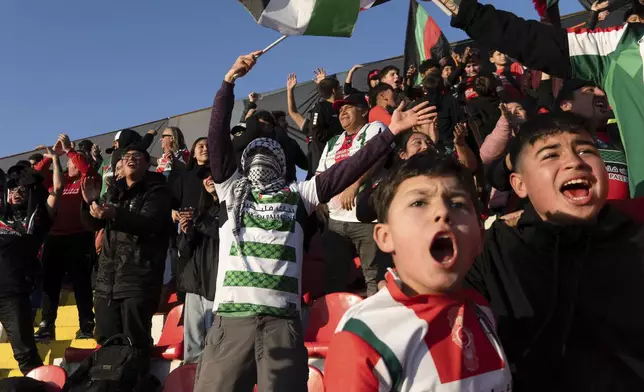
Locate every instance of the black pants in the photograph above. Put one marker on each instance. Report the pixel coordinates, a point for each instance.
(17, 319)
(131, 317)
(73, 254)
(342, 241)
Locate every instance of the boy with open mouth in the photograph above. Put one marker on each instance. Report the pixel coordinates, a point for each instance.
(564, 278)
(422, 332)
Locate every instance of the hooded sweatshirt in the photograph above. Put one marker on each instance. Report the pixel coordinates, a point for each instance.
(567, 301)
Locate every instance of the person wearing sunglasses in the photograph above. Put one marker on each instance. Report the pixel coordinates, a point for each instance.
(135, 214)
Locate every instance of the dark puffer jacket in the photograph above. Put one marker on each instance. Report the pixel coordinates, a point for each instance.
(135, 242)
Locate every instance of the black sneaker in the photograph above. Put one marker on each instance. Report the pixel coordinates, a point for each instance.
(86, 331)
(46, 331)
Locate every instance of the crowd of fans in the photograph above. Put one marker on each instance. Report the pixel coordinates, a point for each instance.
(490, 213)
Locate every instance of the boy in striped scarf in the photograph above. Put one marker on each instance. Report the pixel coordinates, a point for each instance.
(422, 332)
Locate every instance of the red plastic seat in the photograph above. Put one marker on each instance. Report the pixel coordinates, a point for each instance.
(315, 383)
(325, 315)
(54, 376)
(181, 379)
(170, 344)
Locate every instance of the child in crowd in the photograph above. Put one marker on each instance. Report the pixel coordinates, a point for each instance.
(565, 278)
(422, 332)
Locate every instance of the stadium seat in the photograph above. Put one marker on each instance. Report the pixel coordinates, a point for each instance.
(170, 344)
(324, 317)
(54, 376)
(181, 379)
(315, 383)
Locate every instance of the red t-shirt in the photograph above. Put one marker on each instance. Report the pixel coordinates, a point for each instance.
(67, 220)
(378, 113)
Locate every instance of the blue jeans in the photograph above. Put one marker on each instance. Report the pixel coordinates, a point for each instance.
(197, 320)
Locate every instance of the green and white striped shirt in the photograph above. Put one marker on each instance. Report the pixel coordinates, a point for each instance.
(266, 277)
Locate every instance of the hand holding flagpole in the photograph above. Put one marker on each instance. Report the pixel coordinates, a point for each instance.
(246, 64)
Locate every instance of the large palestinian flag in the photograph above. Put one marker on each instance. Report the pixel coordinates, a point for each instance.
(332, 18)
(425, 40)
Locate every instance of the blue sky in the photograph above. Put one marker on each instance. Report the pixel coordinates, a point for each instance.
(89, 67)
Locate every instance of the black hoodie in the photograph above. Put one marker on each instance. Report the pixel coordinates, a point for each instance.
(568, 301)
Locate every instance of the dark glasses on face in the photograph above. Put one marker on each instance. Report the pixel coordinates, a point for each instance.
(132, 155)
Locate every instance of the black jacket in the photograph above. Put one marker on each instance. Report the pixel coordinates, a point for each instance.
(199, 255)
(323, 125)
(135, 242)
(21, 236)
(567, 300)
(186, 190)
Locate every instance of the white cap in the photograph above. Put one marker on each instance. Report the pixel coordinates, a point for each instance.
(118, 134)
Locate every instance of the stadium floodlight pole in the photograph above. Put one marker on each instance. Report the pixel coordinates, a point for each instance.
(449, 7)
(266, 49)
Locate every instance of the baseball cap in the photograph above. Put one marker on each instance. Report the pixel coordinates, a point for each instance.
(374, 75)
(356, 99)
(118, 134)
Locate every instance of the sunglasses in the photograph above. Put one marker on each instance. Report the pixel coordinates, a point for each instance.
(132, 155)
(162, 136)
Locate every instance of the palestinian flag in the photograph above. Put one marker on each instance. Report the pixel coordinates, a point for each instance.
(425, 40)
(330, 18)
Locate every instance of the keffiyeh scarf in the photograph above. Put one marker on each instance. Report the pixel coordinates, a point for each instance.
(263, 167)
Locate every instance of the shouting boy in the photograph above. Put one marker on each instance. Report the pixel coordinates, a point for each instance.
(422, 332)
(565, 279)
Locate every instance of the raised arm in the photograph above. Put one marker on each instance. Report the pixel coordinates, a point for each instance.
(533, 44)
(57, 187)
(220, 147)
(81, 162)
(341, 175)
(295, 115)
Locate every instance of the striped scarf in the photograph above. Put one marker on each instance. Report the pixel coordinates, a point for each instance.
(263, 165)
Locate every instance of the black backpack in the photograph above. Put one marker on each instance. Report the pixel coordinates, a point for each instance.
(115, 367)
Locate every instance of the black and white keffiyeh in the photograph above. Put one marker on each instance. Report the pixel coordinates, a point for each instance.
(263, 167)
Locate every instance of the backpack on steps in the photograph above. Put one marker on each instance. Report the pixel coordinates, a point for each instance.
(115, 367)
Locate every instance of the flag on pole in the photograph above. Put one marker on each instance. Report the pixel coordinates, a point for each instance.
(330, 18)
(425, 40)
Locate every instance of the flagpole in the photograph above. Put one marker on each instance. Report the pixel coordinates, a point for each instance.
(274, 44)
(266, 49)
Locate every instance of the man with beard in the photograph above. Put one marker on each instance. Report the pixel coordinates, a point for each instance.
(24, 222)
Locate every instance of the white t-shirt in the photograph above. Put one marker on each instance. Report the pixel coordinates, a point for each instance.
(339, 148)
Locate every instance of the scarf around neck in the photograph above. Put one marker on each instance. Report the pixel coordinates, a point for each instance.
(263, 167)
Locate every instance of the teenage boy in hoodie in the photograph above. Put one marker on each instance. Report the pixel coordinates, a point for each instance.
(565, 281)
(422, 332)
(256, 336)
(612, 58)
